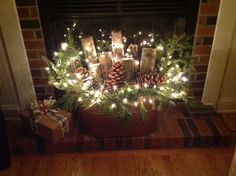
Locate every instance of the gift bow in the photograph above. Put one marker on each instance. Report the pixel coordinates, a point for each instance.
(43, 108)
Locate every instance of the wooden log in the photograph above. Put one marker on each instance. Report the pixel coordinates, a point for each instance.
(117, 44)
(96, 71)
(89, 49)
(148, 60)
(128, 64)
(134, 51)
(105, 59)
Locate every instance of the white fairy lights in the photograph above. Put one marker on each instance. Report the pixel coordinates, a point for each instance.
(64, 46)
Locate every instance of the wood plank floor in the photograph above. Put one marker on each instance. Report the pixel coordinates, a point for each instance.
(162, 162)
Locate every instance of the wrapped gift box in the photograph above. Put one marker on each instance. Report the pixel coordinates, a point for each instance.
(51, 126)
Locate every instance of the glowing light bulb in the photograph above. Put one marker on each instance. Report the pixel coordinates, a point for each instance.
(128, 50)
(174, 95)
(129, 89)
(144, 100)
(106, 91)
(176, 66)
(80, 36)
(154, 86)
(152, 40)
(162, 88)
(74, 24)
(98, 48)
(55, 53)
(144, 42)
(47, 68)
(136, 86)
(65, 84)
(67, 74)
(64, 46)
(140, 33)
(113, 105)
(145, 85)
(160, 47)
(98, 100)
(135, 104)
(125, 100)
(100, 30)
(169, 74)
(81, 52)
(136, 62)
(170, 57)
(79, 99)
(78, 75)
(150, 101)
(161, 69)
(114, 87)
(184, 79)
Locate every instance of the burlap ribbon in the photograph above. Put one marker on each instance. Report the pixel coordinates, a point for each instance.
(46, 108)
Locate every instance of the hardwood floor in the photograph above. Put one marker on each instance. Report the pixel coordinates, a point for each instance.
(161, 162)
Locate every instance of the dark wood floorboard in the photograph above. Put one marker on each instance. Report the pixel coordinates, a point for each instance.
(161, 162)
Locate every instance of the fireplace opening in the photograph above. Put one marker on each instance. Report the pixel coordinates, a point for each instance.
(162, 18)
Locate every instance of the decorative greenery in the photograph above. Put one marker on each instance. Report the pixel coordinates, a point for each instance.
(173, 61)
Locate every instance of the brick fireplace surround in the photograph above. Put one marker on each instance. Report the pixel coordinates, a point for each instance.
(35, 47)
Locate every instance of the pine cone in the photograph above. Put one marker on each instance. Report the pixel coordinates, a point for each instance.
(115, 76)
(150, 79)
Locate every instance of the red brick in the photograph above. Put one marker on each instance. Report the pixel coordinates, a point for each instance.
(34, 12)
(37, 63)
(32, 54)
(205, 31)
(202, 20)
(40, 81)
(209, 9)
(34, 44)
(50, 90)
(202, 50)
(23, 12)
(203, 59)
(198, 41)
(214, 1)
(28, 35)
(201, 68)
(196, 84)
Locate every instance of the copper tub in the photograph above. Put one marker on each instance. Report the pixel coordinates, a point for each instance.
(103, 125)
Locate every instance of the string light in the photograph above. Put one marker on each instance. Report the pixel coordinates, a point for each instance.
(140, 33)
(115, 87)
(135, 104)
(174, 95)
(184, 79)
(154, 86)
(79, 99)
(129, 89)
(150, 101)
(113, 105)
(160, 47)
(81, 52)
(144, 100)
(125, 100)
(65, 85)
(47, 68)
(55, 53)
(64, 46)
(145, 85)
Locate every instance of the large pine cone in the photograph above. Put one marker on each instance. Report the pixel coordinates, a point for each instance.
(82, 74)
(115, 76)
(149, 80)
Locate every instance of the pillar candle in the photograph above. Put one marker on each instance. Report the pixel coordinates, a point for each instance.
(96, 71)
(117, 44)
(148, 60)
(89, 49)
(105, 59)
(128, 64)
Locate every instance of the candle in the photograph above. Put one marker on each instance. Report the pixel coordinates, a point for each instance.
(96, 71)
(105, 59)
(148, 60)
(117, 44)
(89, 49)
(128, 64)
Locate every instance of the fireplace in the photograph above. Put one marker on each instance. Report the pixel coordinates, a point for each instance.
(35, 40)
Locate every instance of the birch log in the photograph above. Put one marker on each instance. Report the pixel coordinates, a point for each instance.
(96, 71)
(105, 59)
(134, 51)
(148, 60)
(89, 49)
(117, 44)
(128, 64)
